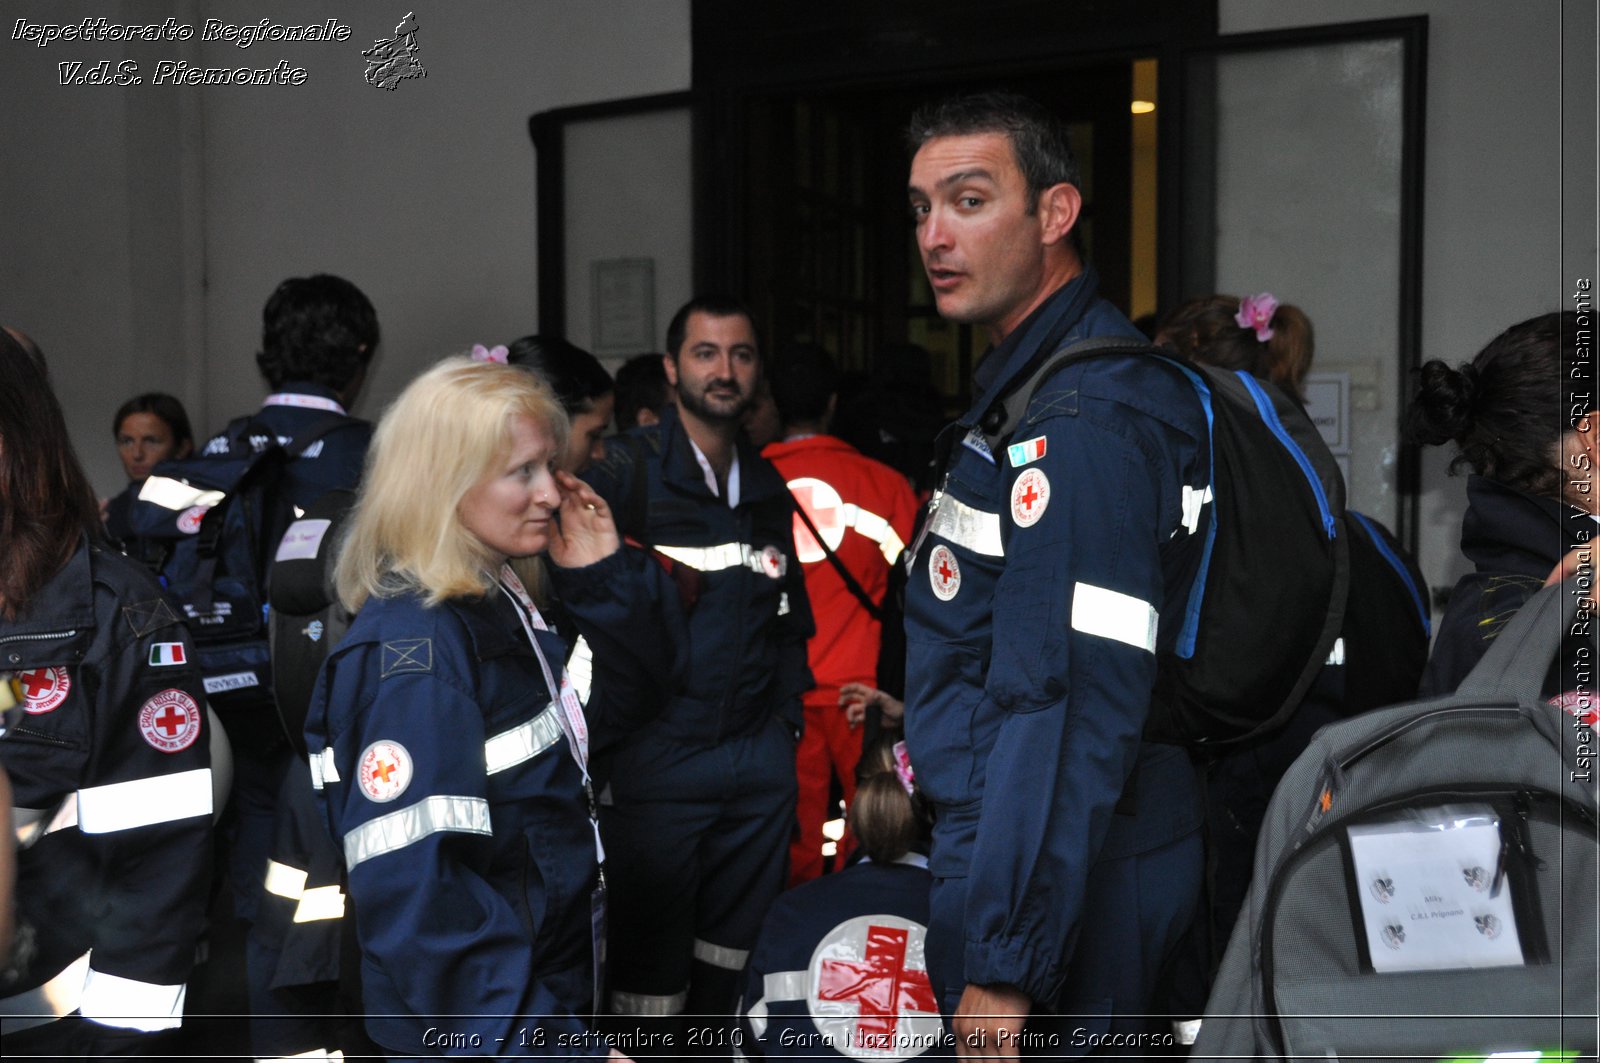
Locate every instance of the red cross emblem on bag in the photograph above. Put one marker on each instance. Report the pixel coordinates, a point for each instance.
(871, 997)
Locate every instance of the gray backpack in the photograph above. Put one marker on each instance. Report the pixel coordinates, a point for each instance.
(1425, 878)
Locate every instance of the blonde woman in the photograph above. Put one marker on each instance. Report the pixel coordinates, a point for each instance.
(447, 742)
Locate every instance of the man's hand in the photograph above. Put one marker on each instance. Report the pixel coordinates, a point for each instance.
(989, 1020)
(584, 532)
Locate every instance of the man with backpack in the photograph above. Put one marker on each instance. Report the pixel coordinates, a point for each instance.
(318, 335)
(1056, 562)
(218, 521)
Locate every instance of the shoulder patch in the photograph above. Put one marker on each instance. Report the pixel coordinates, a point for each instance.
(407, 655)
(145, 617)
(384, 770)
(1027, 451)
(170, 721)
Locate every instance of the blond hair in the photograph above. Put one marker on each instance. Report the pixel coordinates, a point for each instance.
(444, 433)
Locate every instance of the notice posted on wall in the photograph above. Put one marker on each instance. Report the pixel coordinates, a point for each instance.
(1433, 893)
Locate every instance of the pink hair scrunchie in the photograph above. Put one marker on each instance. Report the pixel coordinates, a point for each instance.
(1255, 311)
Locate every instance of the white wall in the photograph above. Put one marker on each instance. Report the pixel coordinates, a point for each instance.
(146, 225)
(1510, 114)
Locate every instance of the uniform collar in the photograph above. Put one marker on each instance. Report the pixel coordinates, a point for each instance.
(785, 447)
(1040, 333)
(757, 478)
(1508, 530)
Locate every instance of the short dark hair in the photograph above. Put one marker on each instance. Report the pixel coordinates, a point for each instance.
(715, 306)
(162, 405)
(1038, 138)
(1498, 408)
(575, 375)
(641, 385)
(320, 329)
(48, 505)
(804, 377)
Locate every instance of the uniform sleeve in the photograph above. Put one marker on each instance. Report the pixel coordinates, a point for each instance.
(144, 810)
(631, 615)
(1075, 619)
(417, 839)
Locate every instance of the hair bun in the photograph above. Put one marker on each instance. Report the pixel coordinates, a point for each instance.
(1443, 407)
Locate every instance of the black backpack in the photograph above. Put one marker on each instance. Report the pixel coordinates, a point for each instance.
(1273, 584)
(211, 524)
(307, 619)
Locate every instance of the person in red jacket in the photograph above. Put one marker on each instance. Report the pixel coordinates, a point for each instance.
(862, 512)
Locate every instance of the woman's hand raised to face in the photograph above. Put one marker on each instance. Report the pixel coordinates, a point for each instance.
(585, 531)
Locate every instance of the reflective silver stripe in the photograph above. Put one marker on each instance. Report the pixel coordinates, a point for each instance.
(319, 903)
(720, 955)
(646, 1004)
(111, 1000)
(45, 1003)
(1186, 1031)
(144, 802)
(758, 1018)
(786, 985)
(315, 1053)
(875, 528)
(580, 669)
(1336, 655)
(323, 770)
(1114, 615)
(523, 742)
(285, 881)
(177, 495)
(708, 558)
(724, 556)
(956, 522)
(403, 827)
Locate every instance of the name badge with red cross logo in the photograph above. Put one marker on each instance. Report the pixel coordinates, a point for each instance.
(170, 721)
(44, 689)
(944, 574)
(870, 993)
(1029, 497)
(384, 771)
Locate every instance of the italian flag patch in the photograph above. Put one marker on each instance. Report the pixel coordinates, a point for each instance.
(1022, 453)
(167, 653)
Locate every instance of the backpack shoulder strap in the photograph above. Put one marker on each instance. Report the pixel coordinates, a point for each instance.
(1002, 418)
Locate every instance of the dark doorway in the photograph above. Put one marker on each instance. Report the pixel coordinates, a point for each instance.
(808, 221)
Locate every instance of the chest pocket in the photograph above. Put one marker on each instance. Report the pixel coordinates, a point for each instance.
(57, 701)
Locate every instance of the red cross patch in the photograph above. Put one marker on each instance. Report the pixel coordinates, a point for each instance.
(44, 689)
(871, 997)
(384, 770)
(1029, 497)
(772, 561)
(944, 574)
(825, 506)
(189, 520)
(170, 721)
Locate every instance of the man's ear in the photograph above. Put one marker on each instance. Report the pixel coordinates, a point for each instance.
(671, 365)
(1059, 207)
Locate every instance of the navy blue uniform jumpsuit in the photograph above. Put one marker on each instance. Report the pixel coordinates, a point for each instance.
(1066, 849)
(700, 783)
